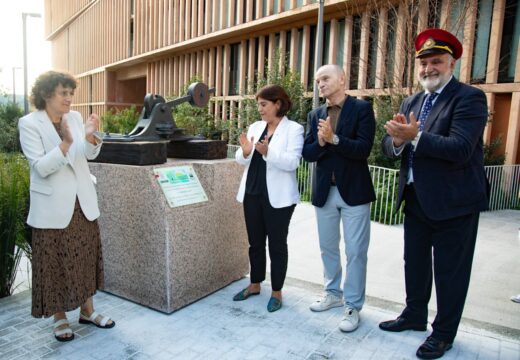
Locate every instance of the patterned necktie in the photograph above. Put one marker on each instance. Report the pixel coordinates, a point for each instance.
(422, 118)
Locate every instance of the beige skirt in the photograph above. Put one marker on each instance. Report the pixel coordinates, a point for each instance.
(67, 265)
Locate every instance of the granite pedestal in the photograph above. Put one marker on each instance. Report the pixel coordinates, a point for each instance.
(163, 257)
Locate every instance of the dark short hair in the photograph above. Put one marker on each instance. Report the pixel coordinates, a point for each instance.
(276, 93)
(46, 84)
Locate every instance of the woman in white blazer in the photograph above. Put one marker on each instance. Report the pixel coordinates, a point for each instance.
(271, 153)
(67, 263)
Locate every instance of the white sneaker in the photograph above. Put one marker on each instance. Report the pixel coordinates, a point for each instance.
(328, 301)
(515, 298)
(350, 320)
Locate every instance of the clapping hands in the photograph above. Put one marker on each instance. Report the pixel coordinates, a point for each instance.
(91, 126)
(262, 146)
(400, 130)
(325, 133)
(246, 144)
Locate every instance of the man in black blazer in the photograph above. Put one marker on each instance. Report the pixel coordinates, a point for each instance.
(438, 133)
(340, 135)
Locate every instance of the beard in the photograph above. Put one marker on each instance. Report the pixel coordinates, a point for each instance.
(433, 83)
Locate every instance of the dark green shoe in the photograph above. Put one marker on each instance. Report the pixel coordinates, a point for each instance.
(244, 294)
(274, 304)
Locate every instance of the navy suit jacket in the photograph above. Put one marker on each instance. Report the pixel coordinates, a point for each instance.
(448, 164)
(348, 160)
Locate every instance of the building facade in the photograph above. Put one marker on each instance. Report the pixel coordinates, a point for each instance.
(122, 49)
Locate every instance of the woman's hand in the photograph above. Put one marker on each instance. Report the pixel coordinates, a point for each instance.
(262, 146)
(91, 126)
(245, 144)
(67, 136)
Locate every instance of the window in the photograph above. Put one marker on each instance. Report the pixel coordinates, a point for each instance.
(372, 50)
(354, 63)
(390, 47)
(300, 48)
(326, 43)
(434, 13)
(509, 47)
(457, 17)
(312, 58)
(481, 45)
(234, 69)
(341, 42)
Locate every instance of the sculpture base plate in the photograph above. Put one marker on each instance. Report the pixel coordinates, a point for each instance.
(133, 153)
(198, 149)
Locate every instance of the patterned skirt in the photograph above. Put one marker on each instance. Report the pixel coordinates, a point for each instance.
(67, 265)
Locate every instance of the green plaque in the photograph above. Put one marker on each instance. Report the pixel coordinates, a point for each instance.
(180, 185)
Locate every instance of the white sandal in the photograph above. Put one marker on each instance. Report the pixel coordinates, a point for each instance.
(58, 334)
(83, 319)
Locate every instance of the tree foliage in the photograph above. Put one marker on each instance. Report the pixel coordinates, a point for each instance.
(195, 120)
(120, 121)
(9, 115)
(14, 234)
(285, 77)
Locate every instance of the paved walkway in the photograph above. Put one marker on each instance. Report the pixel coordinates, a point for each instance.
(217, 328)
(495, 275)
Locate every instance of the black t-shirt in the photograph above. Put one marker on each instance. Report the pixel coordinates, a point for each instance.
(256, 183)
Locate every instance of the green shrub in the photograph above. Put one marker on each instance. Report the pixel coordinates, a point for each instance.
(386, 188)
(384, 108)
(9, 115)
(195, 120)
(120, 121)
(490, 153)
(303, 174)
(289, 80)
(14, 235)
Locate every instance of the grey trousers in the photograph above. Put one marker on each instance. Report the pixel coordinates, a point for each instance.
(356, 233)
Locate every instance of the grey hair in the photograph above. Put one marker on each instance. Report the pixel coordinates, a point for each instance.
(337, 69)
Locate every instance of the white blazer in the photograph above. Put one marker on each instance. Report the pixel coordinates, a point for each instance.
(282, 160)
(56, 180)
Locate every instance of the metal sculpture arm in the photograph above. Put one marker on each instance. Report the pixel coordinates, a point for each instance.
(156, 120)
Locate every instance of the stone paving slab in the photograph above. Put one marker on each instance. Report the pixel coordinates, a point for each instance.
(215, 327)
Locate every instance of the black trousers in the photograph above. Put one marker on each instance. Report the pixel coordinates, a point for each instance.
(453, 244)
(262, 220)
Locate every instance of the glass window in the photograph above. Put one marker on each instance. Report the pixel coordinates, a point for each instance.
(257, 43)
(372, 50)
(434, 13)
(326, 43)
(341, 42)
(509, 47)
(287, 47)
(312, 60)
(409, 68)
(390, 47)
(481, 46)
(234, 69)
(300, 47)
(457, 26)
(354, 63)
(235, 4)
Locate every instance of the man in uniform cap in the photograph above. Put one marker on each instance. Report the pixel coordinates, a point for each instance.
(438, 134)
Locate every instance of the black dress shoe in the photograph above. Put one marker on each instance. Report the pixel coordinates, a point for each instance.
(432, 348)
(401, 324)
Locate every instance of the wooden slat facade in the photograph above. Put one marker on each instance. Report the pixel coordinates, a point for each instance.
(117, 46)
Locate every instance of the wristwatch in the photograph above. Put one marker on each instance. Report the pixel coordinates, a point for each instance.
(335, 139)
